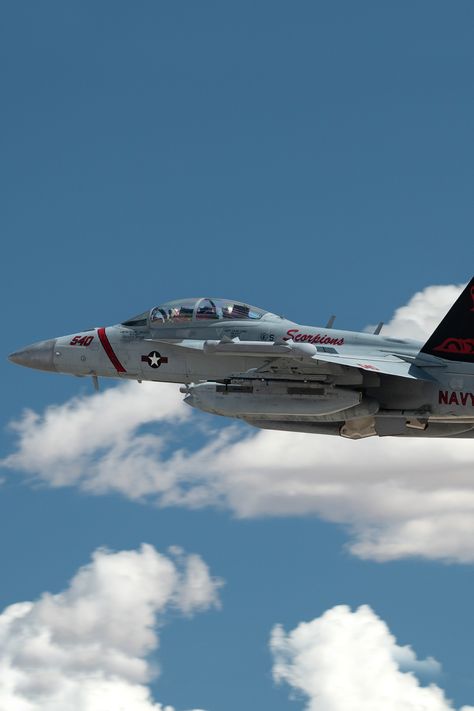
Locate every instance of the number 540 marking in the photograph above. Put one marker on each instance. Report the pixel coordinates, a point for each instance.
(81, 341)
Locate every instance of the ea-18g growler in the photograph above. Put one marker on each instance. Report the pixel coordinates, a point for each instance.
(240, 361)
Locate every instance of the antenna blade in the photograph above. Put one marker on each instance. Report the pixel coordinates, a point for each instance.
(330, 323)
(378, 328)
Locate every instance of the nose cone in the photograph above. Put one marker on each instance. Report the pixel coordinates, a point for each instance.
(39, 355)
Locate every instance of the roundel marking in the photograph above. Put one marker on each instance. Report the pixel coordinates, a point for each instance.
(154, 359)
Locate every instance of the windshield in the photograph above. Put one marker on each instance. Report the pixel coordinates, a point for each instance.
(135, 321)
(197, 310)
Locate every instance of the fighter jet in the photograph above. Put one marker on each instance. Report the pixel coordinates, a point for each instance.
(240, 361)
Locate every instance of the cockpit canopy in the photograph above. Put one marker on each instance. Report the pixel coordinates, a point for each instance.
(197, 310)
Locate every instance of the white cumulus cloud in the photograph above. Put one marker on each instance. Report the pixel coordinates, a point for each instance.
(419, 318)
(99, 434)
(350, 660)
(396, 497)
(86, 648)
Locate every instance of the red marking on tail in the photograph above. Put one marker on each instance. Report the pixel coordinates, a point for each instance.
(456, 345)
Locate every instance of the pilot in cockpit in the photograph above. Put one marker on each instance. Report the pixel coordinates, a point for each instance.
(206, 310)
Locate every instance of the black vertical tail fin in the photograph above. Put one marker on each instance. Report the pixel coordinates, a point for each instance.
(453, 339)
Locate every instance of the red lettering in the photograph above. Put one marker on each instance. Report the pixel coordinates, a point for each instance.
(443, 397)
(455, 398)
(293, 334)
(81, 341)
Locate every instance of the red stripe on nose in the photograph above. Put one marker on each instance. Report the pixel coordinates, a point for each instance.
(110, 351)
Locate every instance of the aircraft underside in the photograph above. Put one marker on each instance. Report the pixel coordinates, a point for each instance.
(374, 426)
(321, 408)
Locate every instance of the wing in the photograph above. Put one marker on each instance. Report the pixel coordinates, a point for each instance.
(387, 365)
(307, 357)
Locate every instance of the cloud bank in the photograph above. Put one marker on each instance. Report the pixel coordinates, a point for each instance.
(397, 498)
(86, 648)
(350, 660)
(419, 318)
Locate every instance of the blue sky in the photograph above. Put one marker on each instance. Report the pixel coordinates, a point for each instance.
(310, 159)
